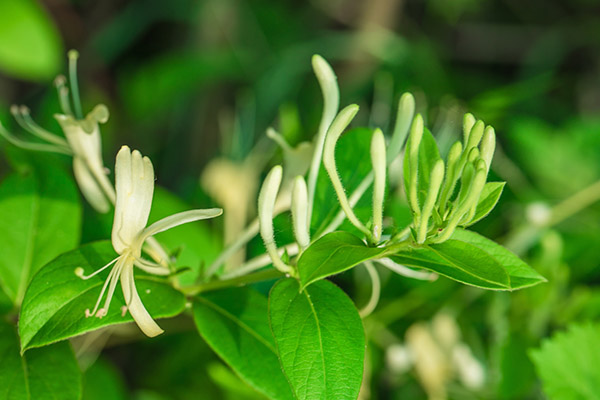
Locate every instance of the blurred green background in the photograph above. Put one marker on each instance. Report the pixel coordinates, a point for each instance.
(187, 81)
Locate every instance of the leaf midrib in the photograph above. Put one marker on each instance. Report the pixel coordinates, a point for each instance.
(237, 321)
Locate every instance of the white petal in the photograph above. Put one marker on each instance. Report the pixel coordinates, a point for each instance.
(89, 187)
(134, 190)
(134, 304)
(179, 219)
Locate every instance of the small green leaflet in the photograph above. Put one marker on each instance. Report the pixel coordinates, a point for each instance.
(474, 260)
(333, 253)
(487, 201)
(567, 363)
(234, 322)
(320, 339)
(56, 300)
(47, 373)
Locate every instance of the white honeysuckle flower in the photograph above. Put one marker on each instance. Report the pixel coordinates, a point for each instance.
(134, 190)
(83, 138)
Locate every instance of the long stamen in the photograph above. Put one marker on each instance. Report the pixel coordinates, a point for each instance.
(150, 267)
(23, 118)
(79, 270)
(32, 146)
(111, 290)
(63, 94)
(73, 56)
(106, 282)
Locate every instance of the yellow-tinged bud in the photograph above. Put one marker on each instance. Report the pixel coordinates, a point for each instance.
(378, 161)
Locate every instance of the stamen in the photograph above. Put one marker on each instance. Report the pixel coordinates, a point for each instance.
(63, 94)
(123, 311)
(23, 118)
(279, 139)
(106, 282)
(79, 270)
(113, 283)
(32, 146)
(73, 56)
(150, 267)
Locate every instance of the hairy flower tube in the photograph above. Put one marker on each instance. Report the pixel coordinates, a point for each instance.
(82, 139)
(134, 191)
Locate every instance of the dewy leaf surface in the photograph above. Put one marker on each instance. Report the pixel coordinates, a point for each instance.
(568, 363)
(234, 322)
(320, 339)
(56, 300)
(40, 215)
(48, 373)
(332, 254)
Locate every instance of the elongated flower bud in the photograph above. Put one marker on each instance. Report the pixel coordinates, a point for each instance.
(480, 165)
(435, 182)
(488, 146)
(406, 110)
(378, 161)
(471, 199)
(338, 125)
(266, 203)
(416, 134)
(475, 135)
(299, 212)
(331, 103)
(473, 154)
(468, 122)
(451, 176)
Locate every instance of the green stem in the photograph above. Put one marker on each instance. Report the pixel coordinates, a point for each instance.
(575, 203)
(259, 276)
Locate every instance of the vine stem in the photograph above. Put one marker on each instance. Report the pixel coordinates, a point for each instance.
(259, 276)
(575, 203)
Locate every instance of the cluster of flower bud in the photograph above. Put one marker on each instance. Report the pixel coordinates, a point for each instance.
(453, 188)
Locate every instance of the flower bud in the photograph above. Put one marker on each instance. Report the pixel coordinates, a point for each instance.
(404, 117)
(435, 182)
(378, 161)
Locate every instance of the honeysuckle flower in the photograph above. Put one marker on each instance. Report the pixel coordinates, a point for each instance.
(134, 190)
(82, 139)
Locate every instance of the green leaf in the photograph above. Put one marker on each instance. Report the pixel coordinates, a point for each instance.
(320, 339)
(56, 300)
(567, 363)
(234, 323)
(487, 201)
(48, 373)
(521, 275)
(429, 154)
(472, 259)
(194, 243)
(30, 45)
(354, 164)
(332, 254)
(459, 261)
(40, 211)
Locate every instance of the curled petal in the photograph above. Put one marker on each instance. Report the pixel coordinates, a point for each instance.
(134, 303)
(178, 219)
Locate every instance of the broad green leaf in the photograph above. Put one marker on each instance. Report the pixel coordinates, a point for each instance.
(472, 259)
(40, 217)
(568, 363)
(234, 322)
(459, 261)
(487, 201)
(48, 373)
(194, 243)
(320, 339)
(521, 275)
(353, 164)
(56, 300)
(429, 154)
(332, 254)
(30, 45)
